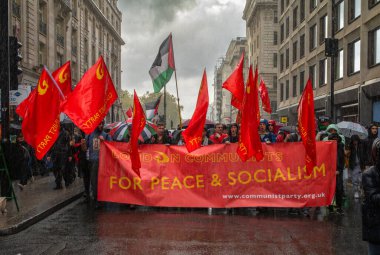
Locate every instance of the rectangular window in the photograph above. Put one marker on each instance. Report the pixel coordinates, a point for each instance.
(275, 82)
(275, 40)
(294, 85)
(302, 46)
(287, 27)
(295, 15)
(295, 51)
(282, 32)
(354, 57)
(338, 69)
(302, 81)
(281, 62)
(302, 10)
(313, 75)
(287, 58)
(275, 17)
(274, 59)
(322, 72)
(287, 90)
(323, 29)
(374, 47)
(282, 92)
(313, 37)
(372, 3)
(282, 6)
(339, 14)
(313, 5)
(354, 9)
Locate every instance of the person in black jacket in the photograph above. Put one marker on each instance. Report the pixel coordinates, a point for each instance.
(371, 203)
(372, 135)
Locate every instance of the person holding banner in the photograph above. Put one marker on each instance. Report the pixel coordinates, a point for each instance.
(371, 203)
(93, 141)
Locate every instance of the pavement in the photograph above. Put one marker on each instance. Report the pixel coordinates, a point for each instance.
(36, 201)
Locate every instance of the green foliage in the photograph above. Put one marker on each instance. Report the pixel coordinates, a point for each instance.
(172, 119)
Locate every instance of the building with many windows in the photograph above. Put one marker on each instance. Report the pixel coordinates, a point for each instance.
(355, 71)
(225, 112)
(55, 31)
(262, 38)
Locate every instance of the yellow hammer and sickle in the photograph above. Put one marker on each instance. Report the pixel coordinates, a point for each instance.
(248, 89)
(42, 89)
(99, 72)
(62, 78)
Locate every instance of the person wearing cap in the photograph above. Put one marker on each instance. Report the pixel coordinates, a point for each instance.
(272, 134)
(263, 131)
(371, 203)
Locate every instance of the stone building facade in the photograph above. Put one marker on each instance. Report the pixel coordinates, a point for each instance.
(55, 31)
(261, 18)
(303, 27)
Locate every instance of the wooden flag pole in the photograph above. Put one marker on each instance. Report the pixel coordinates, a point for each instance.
(165, 105)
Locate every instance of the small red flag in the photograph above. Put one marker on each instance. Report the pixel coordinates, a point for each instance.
(249, 139)
(306, 126)
(138, 124)
(63, 78)
(91, 99)
(193, 133)
(264, 97)
(129, 112)
(235, 84)
(41, 119)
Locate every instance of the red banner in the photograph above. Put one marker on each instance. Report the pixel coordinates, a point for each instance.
(214, 176)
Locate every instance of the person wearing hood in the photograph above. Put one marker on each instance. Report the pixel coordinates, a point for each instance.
(372, 135)
(333, 129)
(356, 163)
(371, 203)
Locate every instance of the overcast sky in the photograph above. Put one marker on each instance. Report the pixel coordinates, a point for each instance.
(202, 31)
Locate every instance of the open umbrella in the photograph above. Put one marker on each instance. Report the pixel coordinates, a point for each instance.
(348, 128)
(289, 129)
(119, 130)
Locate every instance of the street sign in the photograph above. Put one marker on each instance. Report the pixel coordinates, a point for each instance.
(284, 119)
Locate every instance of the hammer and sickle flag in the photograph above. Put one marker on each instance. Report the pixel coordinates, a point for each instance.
(40, 126)
(193, 133)
(249, 139)
(62, 76)
(91, 99)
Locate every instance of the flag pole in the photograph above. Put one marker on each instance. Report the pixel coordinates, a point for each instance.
(55, 83)
(179, 108)
(165, 105)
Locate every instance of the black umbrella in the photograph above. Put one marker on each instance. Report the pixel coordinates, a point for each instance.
(289, 129)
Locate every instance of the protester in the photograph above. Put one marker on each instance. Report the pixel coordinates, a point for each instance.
(161, 137)
(61, 153)
(263, 131)
(233, 134)
(371, 203)
(218, 136)
(280, 136)
(205, 139)
(356, 163)
(333, 129)
(272, 134)
(21, 161)
(93, 145)
(339, 191)
(372, 135)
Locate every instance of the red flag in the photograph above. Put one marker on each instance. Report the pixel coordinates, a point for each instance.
(88, 104)
(235, 84)
(41, 120)
(129, 112)
(306, 126)
(63, 78)
(264, 97)
(249, 139)
(193, 133)
(138, 124)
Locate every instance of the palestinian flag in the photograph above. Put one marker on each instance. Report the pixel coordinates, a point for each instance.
(163, 66)
(151, 108)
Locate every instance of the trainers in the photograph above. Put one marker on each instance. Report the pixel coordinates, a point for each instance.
(356, 195)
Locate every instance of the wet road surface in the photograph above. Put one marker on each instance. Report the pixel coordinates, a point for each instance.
(117, 229)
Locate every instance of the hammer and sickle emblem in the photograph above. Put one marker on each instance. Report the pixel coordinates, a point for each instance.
(99, 72)
(62, 76)
(42, 89)
(161, 157)
(248, 89)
